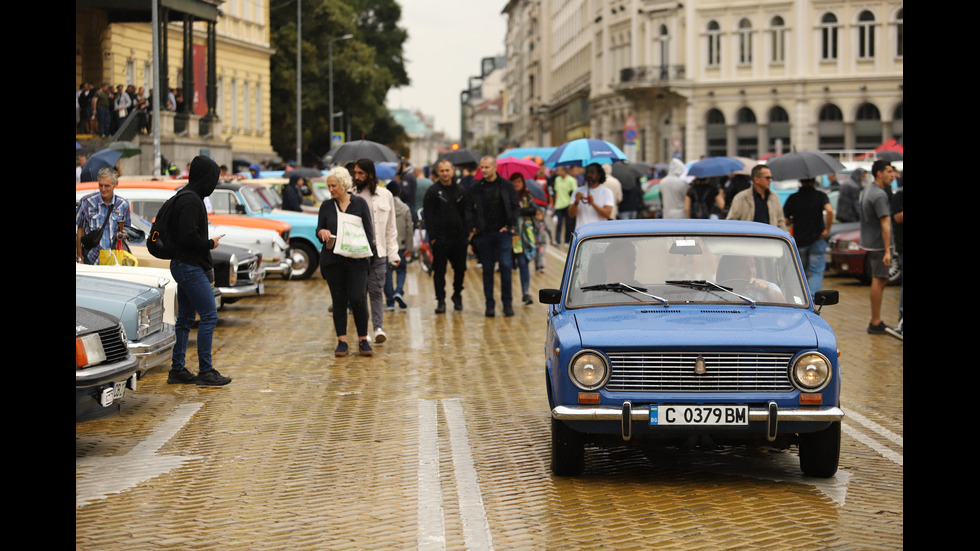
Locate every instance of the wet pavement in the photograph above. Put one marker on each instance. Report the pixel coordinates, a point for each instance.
(442, 441)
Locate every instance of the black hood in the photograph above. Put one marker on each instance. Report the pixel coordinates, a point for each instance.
(295, 179)
(203, 176)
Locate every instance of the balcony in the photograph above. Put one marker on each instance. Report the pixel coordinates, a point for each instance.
(650, 76)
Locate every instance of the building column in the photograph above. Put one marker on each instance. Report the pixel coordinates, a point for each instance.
(209, 123)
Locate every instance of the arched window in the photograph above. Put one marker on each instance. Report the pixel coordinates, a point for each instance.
(828, 37)
(745, 42)
(715, 134)
(898, 122)
(867, 127)
(746, 134)
(830, 128)
(778, 34)
(778, 129)
(714, 44)
(866, 35)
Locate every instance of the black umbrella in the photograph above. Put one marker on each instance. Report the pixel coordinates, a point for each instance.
(462, 157)
(361, 149)
(628, 174)
(799, 165)
(304, 172)
(106, 158)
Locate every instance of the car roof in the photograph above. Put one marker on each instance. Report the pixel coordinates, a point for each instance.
(678, 226)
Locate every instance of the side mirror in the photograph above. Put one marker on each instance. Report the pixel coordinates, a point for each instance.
(549, 296)
(825, 298)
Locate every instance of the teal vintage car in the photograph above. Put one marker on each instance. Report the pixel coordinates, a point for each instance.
(140, 309)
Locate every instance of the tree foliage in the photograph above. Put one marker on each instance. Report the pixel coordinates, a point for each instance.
(365, 67)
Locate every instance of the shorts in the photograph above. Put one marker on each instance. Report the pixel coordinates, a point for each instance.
(876, 265)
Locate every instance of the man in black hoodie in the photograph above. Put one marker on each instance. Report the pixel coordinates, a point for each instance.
(193, 271)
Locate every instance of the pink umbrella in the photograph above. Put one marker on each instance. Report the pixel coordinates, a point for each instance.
(506, 166)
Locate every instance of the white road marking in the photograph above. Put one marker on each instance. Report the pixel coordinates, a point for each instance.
(882, 450)
(97, 477)
(476, 529)
(875, 427)
(431, 531)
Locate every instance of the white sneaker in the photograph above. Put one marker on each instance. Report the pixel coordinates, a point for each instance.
(379, 335)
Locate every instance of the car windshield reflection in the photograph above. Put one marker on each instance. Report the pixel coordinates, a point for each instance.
(683, 269)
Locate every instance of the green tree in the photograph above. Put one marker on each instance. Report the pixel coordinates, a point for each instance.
(365, 67)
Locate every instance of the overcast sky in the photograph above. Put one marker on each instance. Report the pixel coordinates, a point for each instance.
(446, 41)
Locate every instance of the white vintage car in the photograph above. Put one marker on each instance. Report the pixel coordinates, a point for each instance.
(147, 202)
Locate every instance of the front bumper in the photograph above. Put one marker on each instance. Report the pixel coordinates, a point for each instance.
(284, 266)
(154, 350)
(772, 415)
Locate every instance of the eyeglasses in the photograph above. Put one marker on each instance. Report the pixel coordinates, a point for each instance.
(764, 177)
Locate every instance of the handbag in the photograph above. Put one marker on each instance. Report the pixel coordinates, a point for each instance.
(117, 257)
(352, 241)
(91, 239)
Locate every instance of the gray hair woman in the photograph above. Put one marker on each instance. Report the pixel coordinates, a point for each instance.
(346, 277)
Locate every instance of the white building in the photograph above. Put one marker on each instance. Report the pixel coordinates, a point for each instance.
(705, 77)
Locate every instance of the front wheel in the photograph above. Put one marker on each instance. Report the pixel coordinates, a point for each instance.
(820, 451)
(567, 450)
(305, 260)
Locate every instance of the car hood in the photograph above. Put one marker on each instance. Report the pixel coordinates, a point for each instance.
(697, 326)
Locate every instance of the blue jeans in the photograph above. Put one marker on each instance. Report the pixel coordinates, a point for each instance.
(105, 119)
(395, 284)
(497, 248)
(814, 263)
(194, 297)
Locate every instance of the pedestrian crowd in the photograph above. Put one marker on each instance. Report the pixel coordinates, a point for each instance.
(102, 110)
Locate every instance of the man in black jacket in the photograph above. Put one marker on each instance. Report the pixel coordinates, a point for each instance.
(190, 268)
(445, 210)
(496, 210)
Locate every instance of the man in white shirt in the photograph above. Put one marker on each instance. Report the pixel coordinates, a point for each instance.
(592, 202)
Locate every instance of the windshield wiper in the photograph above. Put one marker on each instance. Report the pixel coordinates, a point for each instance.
(705, 285)
(622, 288)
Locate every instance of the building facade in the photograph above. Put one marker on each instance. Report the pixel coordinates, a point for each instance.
(706, 77)
(116, 46)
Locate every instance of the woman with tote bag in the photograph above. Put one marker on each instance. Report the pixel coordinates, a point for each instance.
(346, 257)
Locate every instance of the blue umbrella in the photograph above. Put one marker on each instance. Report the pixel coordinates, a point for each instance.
(385, 171)
(715, 166)
(106, 158)
(584, 151)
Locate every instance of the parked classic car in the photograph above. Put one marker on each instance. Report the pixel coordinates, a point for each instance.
(139, 308)
(152, 277)
(668, 330)
(104, 366)
(304, 245)
(846, 257)
(146, 202)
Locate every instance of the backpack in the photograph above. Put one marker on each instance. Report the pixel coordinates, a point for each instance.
(161, 242)
(699, 206)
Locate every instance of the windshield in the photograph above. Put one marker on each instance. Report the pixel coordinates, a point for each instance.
(674, 269)
(253, 200)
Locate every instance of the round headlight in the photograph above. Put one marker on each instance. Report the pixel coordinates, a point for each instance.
(811, 371)
(588, 370)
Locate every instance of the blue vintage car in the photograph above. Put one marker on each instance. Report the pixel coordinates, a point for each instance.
(671, 331)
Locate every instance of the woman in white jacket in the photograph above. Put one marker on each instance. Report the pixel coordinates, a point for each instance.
(382, 205)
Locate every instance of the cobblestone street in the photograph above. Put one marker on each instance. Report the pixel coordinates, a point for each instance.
(441, 441)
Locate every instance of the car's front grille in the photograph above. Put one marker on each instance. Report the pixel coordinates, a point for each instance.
(114, 343)
(675, 372)
(247, 269)
(155, 318)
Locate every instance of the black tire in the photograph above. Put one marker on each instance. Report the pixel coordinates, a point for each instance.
(820, 451)
(305, 260)
(567, 450)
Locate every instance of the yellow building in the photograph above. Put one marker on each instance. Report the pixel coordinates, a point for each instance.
(114, 45)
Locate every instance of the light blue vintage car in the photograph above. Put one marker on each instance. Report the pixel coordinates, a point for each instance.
(671, 331)
(139, 307)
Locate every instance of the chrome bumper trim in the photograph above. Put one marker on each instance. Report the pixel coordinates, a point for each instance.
(642, 413)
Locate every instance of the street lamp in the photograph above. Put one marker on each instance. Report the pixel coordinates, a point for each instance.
(330, 67)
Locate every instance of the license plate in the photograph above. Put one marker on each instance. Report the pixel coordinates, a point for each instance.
(119, 390)
(703, 415)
